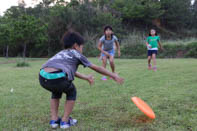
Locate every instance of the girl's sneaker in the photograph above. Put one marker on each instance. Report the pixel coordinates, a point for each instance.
(65, 125)
(55, 123)
(155, 68)
(104, 78)
(149, 67)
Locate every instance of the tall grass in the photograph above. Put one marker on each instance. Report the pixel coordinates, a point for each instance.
(137, 37)
(179, 41)
(134, 38)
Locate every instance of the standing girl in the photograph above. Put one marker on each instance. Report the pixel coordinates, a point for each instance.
(106, 46)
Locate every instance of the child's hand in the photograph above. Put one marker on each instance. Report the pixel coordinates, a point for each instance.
(149, 46)
(119, 53)
(90, 79)
(118, 79)
(107, 54)
(162, 49)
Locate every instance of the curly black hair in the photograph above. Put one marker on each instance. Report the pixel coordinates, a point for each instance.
(70, 38)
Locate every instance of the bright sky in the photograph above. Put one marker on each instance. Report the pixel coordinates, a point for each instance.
(5, 4)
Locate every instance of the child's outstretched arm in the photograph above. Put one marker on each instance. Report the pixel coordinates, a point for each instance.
(100, 48)
(106, 72)
(118, 47)
(89, 78)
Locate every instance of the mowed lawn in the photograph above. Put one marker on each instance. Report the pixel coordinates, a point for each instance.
(171, 92)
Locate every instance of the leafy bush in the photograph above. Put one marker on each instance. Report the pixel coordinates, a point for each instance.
(21, 62)
(171, 51)
(191, 50)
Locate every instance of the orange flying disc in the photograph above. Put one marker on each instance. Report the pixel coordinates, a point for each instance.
(143, 107)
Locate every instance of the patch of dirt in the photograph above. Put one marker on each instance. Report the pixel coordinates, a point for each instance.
(180, 54)
(8, 62)
(142, 119)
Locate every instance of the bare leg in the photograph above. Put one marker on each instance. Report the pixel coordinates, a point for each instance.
(68, 107)
(154, 61)
(104, 61)
(149, 62)
(111, 60)
(104, 65)
(54, 109)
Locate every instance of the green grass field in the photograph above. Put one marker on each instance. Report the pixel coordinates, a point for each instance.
(171, 92)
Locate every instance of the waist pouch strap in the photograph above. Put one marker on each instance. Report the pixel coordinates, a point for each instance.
(48, 75)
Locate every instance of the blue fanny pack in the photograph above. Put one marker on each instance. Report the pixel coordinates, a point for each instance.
(48, 75)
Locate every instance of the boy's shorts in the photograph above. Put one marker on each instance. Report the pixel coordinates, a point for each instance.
(111, 52)
(58, 86)
(150, 52)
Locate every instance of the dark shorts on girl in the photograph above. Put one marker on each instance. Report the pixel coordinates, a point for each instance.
(150, 52)
(57, 84)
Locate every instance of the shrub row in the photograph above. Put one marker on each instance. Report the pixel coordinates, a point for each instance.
(140, 51)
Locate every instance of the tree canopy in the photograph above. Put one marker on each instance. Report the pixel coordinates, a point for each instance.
(36, 31)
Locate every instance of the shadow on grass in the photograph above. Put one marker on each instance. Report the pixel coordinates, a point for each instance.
(131, 121)
(142, 119)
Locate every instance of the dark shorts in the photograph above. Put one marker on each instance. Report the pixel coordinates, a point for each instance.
(59, 86)
(150, 52)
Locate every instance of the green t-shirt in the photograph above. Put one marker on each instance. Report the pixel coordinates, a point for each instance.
(153, 41)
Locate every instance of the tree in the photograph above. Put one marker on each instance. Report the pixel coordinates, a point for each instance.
(194, 16)
(177, 13)
(138, 10)
(5, 36)
(39, 29)
(28, 30)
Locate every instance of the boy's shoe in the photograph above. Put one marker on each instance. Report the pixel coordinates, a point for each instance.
(65, 125)
(55, 123)
(104, 78)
